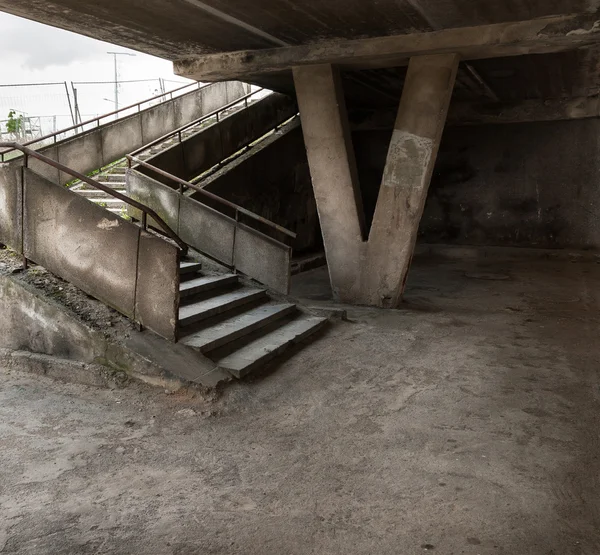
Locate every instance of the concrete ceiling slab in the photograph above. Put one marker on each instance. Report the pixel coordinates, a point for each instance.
(179, 28)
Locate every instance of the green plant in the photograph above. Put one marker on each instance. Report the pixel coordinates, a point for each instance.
(15, 122)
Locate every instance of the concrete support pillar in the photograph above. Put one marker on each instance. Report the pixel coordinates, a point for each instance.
(334, 176)
(373, 271)
(410, 161)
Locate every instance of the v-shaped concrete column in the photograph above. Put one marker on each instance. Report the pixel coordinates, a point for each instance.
(373, 272)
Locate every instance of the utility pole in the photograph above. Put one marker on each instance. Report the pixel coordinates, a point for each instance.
(114, 55)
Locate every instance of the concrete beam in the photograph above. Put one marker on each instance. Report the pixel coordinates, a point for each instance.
(525, 111)
(486, 113)
(409, 166)
(333, 172)
(536, 36)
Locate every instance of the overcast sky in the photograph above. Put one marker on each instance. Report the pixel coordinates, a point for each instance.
(36, 53)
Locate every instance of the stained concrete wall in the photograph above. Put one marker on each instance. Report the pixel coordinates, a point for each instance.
(216, 234)
(40, 335)
(99, 252)
(103, 145)
(273, 180)
(523, 185)
(213, 144)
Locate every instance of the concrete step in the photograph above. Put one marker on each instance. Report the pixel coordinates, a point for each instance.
(189, 268)
(259, 351)
(202, 284)
(238, 326)
(109, 201)
(110, 177)
(114, 184)
(97, 193)
(201, 310)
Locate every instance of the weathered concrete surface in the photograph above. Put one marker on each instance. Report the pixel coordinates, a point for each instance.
(517, 185)
(265, 260)
(11, 211)
(467, 424)
(93, 249)
(333, 173)
(214, 234)
(273, 181)
(410, 161)
(537, 36)
(207, 230)
(81, 242)
(524, 185)
(40, 335)
(155, 195)
(373, 271)
(157, 286)
(213, 144)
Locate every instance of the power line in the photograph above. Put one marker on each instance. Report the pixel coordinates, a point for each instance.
(113, 82)
(30, 84)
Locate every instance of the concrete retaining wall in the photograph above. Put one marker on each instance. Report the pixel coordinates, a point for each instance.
(101, 146)
(39, 335)
(213, 144)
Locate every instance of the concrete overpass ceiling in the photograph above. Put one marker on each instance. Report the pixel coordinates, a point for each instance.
(179, 28)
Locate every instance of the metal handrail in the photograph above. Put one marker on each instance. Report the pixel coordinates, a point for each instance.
(97, 119)
(243, 150)
(146, 211)
(187, 185)
(177, 132)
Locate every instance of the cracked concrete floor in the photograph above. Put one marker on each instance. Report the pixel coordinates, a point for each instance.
(465, 423)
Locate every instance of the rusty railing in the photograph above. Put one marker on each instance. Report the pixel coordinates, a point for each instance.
(242, 150)
(146, 210)
(178, 132)
(183, 185)
(97, 119)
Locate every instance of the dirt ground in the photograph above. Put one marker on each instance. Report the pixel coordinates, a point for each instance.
(467, 422)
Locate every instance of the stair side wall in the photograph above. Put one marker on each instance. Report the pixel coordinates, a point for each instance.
(100, 146)
(273, 180)
(212, 144)
(107, 257)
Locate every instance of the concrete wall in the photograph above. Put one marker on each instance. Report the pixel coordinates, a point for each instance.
(530, 184)
(102, 254)
(213, 144)
(219, 235)
(103, 145)
(273, 180)
(38, 334)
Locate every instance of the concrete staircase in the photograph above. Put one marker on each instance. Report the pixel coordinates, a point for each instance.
(239, 327)
(114, 176)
